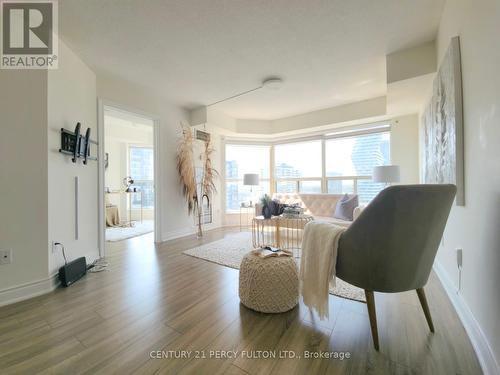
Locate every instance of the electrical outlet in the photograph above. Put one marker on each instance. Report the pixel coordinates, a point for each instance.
(6, 256)
(54, 247)
(459, 258)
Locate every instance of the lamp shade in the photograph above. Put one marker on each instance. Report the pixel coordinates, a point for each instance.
(386, 173)
(251, 179)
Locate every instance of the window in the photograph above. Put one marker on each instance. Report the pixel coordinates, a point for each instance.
(337, 165)
(240, 160)
(298, 167)
(141, 169)
(350, 161)
(310, 186)
(336, 186)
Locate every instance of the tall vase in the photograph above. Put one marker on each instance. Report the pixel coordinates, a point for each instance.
(266, 212)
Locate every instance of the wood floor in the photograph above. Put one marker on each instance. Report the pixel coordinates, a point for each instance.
(159, 300)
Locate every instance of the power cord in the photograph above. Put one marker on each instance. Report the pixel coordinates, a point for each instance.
(63, 252)
(98, 265)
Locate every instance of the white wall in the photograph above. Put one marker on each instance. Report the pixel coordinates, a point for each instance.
(38, 181)
(23, 176)
(175, 221)
(475, 227)
(71, 99)
(411, 62)
(405, 147)
(315, 120)
(116, 170)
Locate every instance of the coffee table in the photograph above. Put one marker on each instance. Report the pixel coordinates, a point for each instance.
(279, 231)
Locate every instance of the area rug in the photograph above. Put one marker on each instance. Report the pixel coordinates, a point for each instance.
(230, 251)
(115, 234)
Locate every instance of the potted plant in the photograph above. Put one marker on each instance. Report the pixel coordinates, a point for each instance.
(265, 201)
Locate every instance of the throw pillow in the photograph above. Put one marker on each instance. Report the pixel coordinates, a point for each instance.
(277, 207)
(345, 207)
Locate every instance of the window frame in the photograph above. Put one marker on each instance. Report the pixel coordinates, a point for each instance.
(354, 178)
(297, 180)
(240, 180)
(129, 173)
(375, 128)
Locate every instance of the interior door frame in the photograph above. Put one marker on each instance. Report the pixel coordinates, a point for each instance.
(102, 104)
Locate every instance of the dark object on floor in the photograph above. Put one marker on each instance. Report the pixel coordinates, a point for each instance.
(73, 271)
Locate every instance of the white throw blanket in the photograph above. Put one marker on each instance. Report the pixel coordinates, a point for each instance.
(317, 264)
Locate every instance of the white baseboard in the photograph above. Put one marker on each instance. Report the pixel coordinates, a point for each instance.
(32, 289)
(29, 290)
(177, 233)
(184, 232)
(478, 340)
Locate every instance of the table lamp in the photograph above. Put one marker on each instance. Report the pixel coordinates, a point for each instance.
(386, 174)
(251, 179)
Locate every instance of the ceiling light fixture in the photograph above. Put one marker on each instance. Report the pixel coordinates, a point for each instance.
(272, 83)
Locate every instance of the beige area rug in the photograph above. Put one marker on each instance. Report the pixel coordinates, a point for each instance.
(114, 234)
(230, 251)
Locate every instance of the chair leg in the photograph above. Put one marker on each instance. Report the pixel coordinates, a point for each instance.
(425, 307)
(370, 304)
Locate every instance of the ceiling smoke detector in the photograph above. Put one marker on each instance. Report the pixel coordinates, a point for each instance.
(273, 83)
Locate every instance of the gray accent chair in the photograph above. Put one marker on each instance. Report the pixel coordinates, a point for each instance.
(391, 246)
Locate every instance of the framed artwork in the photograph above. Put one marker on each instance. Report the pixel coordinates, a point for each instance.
(443, 126)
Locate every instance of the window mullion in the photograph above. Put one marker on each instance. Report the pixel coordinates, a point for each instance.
(323, 167)
(272, 177)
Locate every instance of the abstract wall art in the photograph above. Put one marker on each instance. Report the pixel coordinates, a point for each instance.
(443, 159)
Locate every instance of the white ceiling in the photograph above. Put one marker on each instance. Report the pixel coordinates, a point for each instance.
(126, 127)
(194, 52)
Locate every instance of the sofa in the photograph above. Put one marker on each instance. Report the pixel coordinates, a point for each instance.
(320, 206)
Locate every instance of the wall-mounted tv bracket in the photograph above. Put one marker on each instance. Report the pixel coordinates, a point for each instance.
(77, 140)
(86, 148)
(76, 144)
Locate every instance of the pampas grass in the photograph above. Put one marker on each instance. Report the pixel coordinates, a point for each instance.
(185, 167)
(209, 173)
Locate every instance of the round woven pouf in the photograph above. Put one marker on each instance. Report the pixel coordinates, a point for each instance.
(269, 285)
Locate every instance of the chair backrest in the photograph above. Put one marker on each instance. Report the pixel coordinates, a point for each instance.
(314, 204)
(391, 246)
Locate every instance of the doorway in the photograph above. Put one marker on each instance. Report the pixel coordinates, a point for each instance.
(128, 178)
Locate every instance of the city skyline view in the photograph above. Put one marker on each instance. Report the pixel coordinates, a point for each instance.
(347, 156)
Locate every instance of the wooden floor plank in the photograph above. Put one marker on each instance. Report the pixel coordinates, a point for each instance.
(153, 298)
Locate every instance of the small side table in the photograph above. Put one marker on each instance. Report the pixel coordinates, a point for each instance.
(278, 231)
(246, 211)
